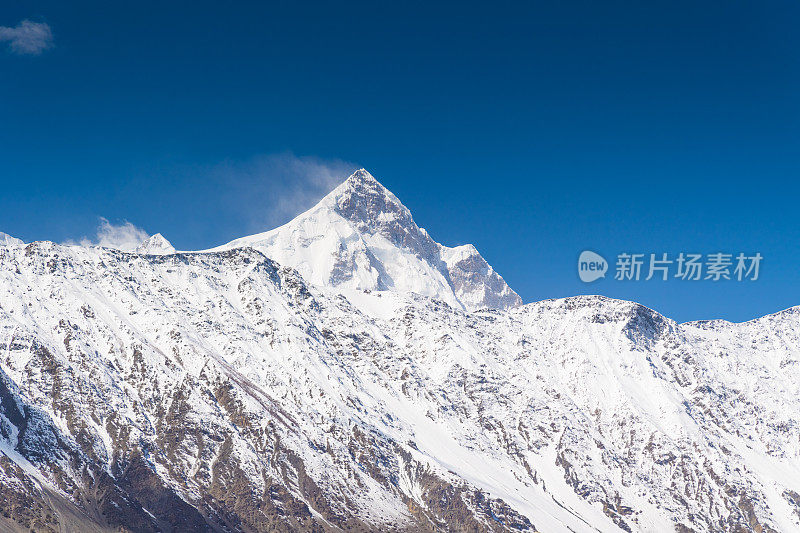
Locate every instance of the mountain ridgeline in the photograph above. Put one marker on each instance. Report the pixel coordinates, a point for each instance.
(345, 372)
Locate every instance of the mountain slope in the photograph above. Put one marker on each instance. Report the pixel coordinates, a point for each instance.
(401, 389)
(252, 396)
(218, 391)
(361, 236)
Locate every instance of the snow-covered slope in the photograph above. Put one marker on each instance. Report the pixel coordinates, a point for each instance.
(8, 240)
(361, 236)
(222, 391)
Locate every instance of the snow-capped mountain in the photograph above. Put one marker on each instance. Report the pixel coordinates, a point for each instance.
(361, 236)
(230, 390)
(155, 245)
(8, 240)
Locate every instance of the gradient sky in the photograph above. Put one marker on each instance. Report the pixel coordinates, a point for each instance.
(532, 131)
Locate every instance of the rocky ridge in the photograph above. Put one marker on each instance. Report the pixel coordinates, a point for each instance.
(224, 391)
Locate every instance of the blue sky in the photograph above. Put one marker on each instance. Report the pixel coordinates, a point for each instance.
(533, 131)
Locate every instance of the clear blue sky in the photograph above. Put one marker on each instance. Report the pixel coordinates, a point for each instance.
(533, 131)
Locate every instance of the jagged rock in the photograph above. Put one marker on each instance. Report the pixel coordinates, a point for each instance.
(222, 391)
(361, 236)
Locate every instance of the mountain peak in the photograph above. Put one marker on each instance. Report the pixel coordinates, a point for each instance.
(361, 176)
(361, 236)
(8, 240)
(361, 183)
(364, 200)
(360, 180)
(155, 245)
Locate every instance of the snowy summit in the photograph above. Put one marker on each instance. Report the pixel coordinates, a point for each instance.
(360, 236)
(220, 391)
(155, 245)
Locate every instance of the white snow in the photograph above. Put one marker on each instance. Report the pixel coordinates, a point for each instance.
(360, 236)
(565, 409)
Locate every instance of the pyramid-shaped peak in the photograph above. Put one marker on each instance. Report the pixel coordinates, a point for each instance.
(361, 176)
(158, 239)
(155, 245)
(360, 236)
(362, 198)
(362, 183)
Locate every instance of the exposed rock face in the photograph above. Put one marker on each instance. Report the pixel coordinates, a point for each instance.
(221, 391)
(362, 237)
(143, 421)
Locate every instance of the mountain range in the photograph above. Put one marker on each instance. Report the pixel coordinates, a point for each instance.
(346, 372)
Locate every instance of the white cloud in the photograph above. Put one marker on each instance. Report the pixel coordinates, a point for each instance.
(27, 37)
(125, 237)
(241, 197)
(270, 190)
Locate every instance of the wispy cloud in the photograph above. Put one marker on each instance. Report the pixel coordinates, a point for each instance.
(30, 38)
(224, 201)
(125, 237)
(270, 190)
